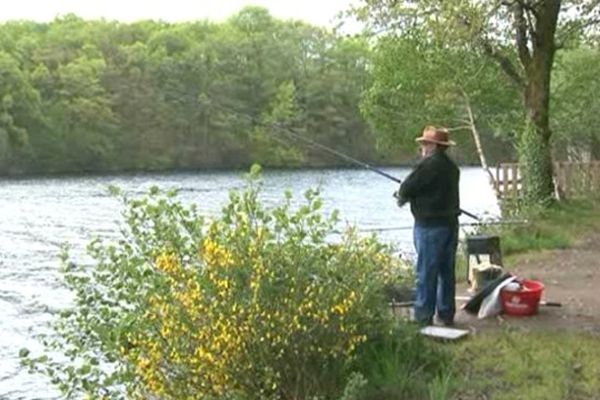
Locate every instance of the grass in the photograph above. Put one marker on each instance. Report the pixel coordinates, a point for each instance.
(511, 365)
(554, 228)
(405, 365)
(506, 364)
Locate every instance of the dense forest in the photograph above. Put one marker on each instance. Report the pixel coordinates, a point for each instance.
(105, 96)
(97, 96)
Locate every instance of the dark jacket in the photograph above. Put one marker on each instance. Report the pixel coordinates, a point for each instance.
(432, 190)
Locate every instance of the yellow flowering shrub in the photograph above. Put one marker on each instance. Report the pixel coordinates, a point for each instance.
(258, 303)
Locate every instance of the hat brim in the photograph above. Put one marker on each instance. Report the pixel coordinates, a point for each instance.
(448, 143)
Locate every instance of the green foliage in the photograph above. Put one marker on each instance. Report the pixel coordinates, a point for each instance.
(417, 81)
(19, 102)
(546, 228)
(575, 89)
(255, 303)
(521, 38)
(270, 140)
(442, 387)
(536, 162)
(401, 365)
(355, 387)
(101, 96)
(529, 365)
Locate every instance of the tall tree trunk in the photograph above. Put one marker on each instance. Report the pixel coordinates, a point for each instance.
(534, 149)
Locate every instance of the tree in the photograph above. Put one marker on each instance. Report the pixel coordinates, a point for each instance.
(522, 36)
(19, 101)
(271, 140)
(575, 97)
(19, 112)
(82, 114)
(452, 87)
(154, 95)
(335, 74)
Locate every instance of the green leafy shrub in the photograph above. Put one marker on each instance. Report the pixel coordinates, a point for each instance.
(257, 303)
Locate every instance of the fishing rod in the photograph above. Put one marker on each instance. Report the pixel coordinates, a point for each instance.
(289, 132)
(351, 159)
(341, 155)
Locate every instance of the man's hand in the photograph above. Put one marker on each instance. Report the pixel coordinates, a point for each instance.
(399, 200)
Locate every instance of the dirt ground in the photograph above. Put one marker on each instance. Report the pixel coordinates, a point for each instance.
(570, 276)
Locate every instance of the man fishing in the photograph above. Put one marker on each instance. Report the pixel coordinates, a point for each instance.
(432, 190)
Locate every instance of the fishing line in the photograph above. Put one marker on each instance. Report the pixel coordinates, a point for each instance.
(465, 224)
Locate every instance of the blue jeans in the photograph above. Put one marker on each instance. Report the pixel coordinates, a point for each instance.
(435, 279)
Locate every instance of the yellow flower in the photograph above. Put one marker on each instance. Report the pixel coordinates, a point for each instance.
(167, 262)
(215, 255)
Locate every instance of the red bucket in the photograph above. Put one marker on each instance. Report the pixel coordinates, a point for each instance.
(524, 301)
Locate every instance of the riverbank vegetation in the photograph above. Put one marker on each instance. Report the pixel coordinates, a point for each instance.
(83, 96)
(555, 227)
(101, 96)
(258, 301)
(254, 303)
(551, 361)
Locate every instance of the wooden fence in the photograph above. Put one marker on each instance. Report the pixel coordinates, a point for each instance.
(572, 179)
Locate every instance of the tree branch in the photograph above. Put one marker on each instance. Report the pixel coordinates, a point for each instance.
(477, 141)
(573, 29)
(530, 6)
(521, 29)
(505, 63)
(530, 25)
(459, 128)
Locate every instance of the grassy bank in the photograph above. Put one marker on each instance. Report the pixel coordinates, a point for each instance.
(559, 226)
(533, 365)
(515, 364)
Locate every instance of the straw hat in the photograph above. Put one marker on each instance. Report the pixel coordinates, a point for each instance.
(431, 134)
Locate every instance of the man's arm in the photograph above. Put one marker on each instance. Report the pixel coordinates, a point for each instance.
(415, 181)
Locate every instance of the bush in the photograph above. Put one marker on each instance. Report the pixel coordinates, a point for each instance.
(258, 303)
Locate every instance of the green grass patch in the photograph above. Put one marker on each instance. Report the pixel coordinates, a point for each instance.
(556, 227)
(528, 365)
(405, 365)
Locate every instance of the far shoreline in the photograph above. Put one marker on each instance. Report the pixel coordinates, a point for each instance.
(188, 170)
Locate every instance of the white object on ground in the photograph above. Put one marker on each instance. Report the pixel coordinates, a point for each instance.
(491, 305)
(440, 332)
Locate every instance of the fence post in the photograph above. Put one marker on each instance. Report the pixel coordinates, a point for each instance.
(514, 176)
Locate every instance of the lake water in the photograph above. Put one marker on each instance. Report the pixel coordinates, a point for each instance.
(38, 215)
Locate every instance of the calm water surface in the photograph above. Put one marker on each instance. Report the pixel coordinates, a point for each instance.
(38, 215)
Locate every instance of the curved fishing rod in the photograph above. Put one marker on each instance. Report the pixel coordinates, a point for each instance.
(351, 159)
(341, 155)
(289, 132)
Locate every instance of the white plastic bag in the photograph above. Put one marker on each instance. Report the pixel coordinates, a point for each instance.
(492, 305)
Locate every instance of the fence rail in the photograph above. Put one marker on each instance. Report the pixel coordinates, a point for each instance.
(571, 179)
